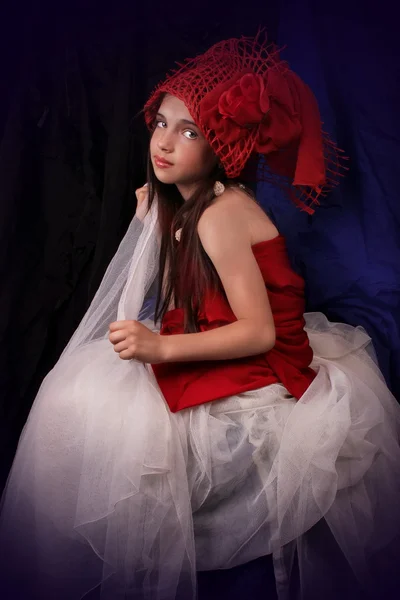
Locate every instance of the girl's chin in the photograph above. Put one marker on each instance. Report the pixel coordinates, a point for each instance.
(164, 176)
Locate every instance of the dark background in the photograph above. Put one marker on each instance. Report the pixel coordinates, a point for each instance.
(72, 149)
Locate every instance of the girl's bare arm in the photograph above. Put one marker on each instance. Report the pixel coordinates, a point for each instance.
(225, 236)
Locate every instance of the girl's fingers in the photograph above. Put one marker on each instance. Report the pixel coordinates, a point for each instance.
(119, 325)
(121, 346)
(126, 355)
(141, 193)
(142, 196)
(117, 336)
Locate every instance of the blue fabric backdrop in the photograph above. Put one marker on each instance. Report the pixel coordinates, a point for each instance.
(349, 251)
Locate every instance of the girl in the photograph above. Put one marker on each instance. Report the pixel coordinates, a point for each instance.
(197, 419)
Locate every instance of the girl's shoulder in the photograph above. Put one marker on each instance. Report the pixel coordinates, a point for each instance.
(233, 200)
(236, 208)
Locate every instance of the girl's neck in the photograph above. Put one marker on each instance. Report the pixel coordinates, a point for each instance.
(186, 190)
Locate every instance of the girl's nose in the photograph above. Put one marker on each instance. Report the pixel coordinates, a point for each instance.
(165, 143)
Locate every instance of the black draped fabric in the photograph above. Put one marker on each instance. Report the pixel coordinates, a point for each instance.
(72, 153)
(67, 192)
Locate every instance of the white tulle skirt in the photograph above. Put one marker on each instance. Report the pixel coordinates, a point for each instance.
(109, 491)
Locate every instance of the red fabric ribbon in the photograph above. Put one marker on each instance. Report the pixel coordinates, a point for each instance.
(281, 111)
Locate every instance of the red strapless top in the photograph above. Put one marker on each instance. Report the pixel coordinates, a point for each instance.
(186, 384)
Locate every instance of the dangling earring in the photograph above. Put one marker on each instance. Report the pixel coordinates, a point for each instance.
(219, 188)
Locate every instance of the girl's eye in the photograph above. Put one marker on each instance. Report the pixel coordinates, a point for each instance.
(192, 135)
(160, 124)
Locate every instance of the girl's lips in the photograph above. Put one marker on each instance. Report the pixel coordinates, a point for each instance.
(162, 163)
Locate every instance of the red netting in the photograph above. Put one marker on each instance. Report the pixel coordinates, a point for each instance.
(307, 196)
(286, 130)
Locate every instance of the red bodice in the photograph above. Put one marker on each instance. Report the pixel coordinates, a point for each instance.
(186, 384)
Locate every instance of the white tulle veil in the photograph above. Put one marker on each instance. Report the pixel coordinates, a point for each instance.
(129, 286)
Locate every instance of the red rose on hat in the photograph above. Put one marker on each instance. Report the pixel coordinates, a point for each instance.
(245, 102)
(234, 107)
(252, 102)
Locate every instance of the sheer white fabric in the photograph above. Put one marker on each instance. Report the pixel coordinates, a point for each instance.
(110, 490)
(128, 287)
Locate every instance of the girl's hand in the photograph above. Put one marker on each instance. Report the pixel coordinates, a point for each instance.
(142, 196)
(131, 339)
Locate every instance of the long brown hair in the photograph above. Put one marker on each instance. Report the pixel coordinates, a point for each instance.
(190, 270)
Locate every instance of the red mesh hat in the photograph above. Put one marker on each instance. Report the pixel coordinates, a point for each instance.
(247, 102)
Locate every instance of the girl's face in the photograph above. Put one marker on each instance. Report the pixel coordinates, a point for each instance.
(179, 152)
